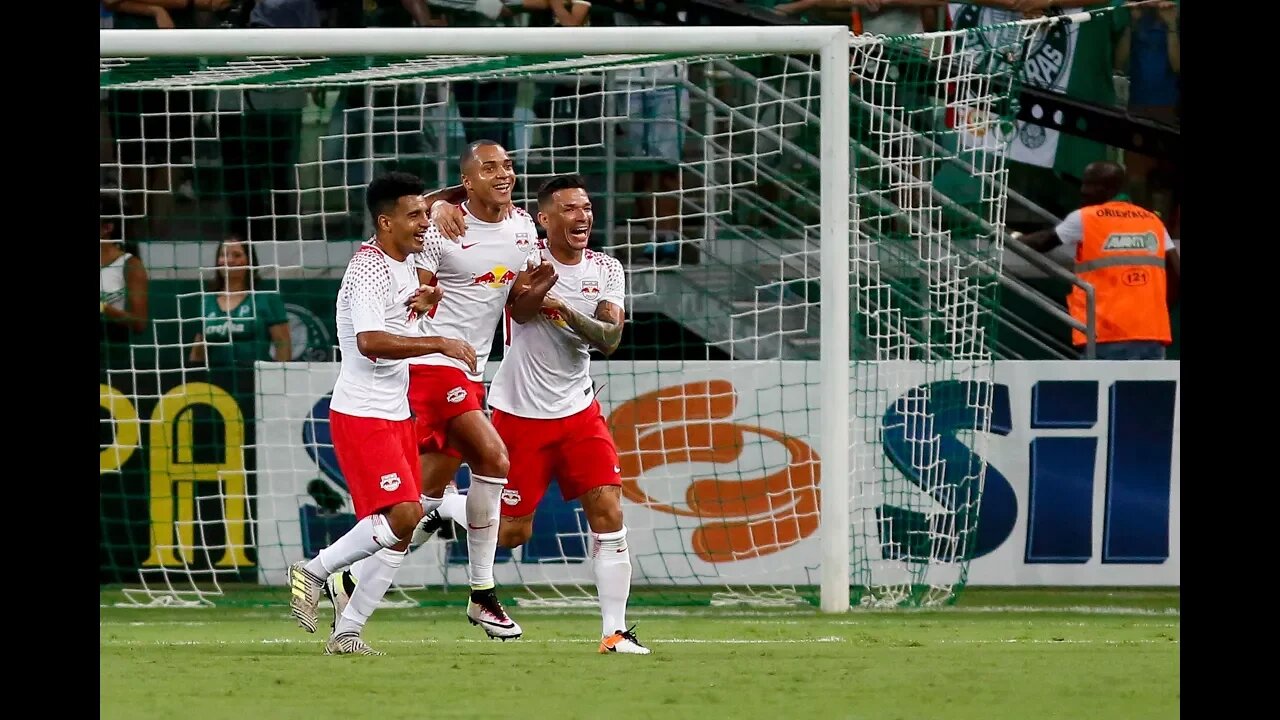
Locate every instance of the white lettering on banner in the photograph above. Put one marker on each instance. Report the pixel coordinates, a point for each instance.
(722, 481)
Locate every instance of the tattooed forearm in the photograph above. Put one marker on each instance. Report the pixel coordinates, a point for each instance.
(602, 334)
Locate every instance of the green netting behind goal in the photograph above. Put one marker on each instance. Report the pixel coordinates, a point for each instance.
(216, 463)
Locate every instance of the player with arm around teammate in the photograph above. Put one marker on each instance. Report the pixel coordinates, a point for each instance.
(373, 434)
(481, 274)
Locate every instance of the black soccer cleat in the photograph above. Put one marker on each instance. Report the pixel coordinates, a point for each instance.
(432, 524)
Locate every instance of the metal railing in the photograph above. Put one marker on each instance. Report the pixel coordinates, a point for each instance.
(1053, 270)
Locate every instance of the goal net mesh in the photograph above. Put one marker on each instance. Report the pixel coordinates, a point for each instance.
(238, 183)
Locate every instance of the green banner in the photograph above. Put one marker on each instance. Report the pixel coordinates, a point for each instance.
(1074, 59)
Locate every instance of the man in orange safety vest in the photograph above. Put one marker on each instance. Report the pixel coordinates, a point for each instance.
(1125, 252)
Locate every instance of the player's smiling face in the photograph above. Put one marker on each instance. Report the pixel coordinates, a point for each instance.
(407, 224)
(568, 218)
(490, 176)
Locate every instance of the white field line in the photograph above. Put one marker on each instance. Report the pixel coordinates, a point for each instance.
(432, 641)
(716, 613)
(753, 618)
(757, 622)
(655, 642)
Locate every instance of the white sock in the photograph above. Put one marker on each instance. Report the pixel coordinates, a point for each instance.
(454, 507)
(611, 562)
(483, 509)
(428, 503)
(360, 568)
(367, 537)
(378, 570)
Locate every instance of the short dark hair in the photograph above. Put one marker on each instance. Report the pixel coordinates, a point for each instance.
(558, 183)
(469, 152)
(386, 190)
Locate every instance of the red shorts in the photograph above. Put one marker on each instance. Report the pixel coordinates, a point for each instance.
(378, 459)
(438, 394)
(577, 450)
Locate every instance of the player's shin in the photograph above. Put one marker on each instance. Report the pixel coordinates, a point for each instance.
(611, 562)
(483, 507)
(371, 534)
(360, 568)
(376, 574)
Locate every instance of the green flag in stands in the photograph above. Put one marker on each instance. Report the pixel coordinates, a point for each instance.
(1077, 60)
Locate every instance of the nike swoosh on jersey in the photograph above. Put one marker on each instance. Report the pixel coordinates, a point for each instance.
(464, 247)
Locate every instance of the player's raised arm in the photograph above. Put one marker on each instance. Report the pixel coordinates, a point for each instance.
(454, 194)
(603, 332)
(446, 214)
(529, 291)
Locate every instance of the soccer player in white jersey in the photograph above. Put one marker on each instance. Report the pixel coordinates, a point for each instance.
(546, 412)
(373, 434)
(483, 273)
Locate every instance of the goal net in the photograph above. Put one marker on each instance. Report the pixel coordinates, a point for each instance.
(804, 386)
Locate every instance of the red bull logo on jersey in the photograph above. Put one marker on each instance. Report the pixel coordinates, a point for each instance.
(590, 289)
(524, 242)
(496, 278)
(554, 316)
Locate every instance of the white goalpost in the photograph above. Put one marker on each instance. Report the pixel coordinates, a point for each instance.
(807, 306)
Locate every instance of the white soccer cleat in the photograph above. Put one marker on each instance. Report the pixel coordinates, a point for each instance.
(483, 609)
(338, 588)
(348, 644)
(624, 642)
(304, 597)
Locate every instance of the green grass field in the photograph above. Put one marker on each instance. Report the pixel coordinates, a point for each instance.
(1037, 653)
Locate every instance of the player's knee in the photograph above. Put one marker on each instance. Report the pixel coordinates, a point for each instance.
(606, 519)
(502, 464)
(603, 508)
(495, 462)
(513, 534)
(403, 518)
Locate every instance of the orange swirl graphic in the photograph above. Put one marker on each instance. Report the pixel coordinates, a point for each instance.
(742, 518)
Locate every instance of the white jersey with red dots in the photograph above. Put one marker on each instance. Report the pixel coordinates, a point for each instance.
(546, 371)
(372, 298)
(476, 273)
